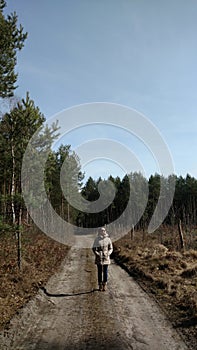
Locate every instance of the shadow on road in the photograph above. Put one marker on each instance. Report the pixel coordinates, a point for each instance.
(95, 344)
(60, 295)
(191, 322)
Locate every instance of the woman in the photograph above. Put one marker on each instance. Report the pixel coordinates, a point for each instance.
(102, 249)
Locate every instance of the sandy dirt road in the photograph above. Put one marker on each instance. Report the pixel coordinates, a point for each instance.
(70, 313)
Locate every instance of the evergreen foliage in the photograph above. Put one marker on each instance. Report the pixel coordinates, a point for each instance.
(12, 38)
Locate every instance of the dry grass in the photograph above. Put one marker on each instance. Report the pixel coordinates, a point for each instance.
(169, 275)
(41, 256)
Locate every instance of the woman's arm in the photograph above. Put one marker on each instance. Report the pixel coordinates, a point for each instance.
(110, 247)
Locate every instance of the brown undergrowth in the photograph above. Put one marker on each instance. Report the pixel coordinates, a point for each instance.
(41, 256)
(167, 274)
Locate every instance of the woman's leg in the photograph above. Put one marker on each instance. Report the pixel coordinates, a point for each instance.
(99, 267)
(105, 273)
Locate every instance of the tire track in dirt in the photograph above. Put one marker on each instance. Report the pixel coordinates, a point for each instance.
(70, 313)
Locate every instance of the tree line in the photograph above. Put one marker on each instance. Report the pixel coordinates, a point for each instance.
(140, 189)
(63, 178)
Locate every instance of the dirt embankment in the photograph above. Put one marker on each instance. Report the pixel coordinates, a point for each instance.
(41, 256)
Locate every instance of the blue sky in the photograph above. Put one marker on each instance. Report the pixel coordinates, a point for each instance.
(137, 53)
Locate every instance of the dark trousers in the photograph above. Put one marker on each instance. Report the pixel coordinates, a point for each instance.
(102, 273)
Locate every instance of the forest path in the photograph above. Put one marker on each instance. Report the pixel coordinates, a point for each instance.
(70, 313)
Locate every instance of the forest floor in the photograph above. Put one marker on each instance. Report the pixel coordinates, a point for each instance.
(41, 256)
(168, 275)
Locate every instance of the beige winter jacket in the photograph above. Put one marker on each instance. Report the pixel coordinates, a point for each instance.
(102, 249)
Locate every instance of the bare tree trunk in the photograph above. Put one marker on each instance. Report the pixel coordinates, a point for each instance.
(181, 236)
(62, 208)
(27, 217)
(13, 185)
(19, 239)
(144, 234)
(4, 204)
(68, 211)
(108, 216)
(132, 233)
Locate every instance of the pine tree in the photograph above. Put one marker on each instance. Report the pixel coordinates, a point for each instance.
(63, 181)
(12, 40)
(16, 129)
